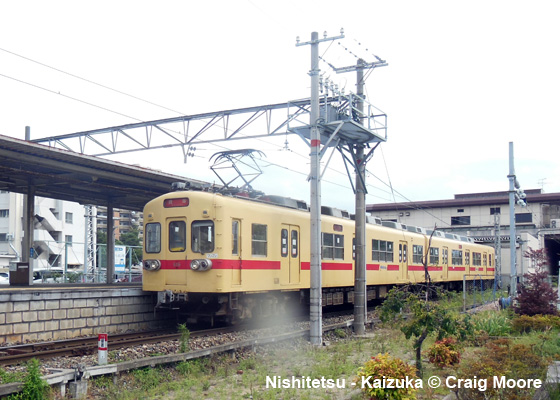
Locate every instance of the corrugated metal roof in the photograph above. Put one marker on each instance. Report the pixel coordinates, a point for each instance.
(483, 199)
(66, 175)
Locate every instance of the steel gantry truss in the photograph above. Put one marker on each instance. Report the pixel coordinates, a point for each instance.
(344, 121)
(228, 125)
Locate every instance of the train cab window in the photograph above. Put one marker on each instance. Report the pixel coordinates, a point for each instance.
(259, 242)
(333, 246)
(434, 255)
(235, 238)
(457, 257)
(484, 260)
(284, 243)
(202, 236)
(177, 236)
(417, 254)
(153, 237)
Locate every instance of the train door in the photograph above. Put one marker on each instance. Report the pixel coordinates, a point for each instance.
(176, 250)
(236, 252)
(403, 259)
(445, 262)
(289, 255)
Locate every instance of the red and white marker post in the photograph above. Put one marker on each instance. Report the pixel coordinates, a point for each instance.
(102, 343)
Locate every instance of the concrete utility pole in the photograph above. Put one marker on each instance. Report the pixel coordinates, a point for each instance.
(315, 289)
(360, 284)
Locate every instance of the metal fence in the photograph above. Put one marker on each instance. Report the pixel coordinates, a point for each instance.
(65, 262)
(477, 291)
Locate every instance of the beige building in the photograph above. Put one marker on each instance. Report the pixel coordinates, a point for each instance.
(485, 217)
(124, 221)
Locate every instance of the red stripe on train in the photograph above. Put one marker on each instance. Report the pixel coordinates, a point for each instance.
(421, 268)
(224, 264)
(306, 266)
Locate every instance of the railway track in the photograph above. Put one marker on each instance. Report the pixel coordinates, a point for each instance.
(83, 346)
(10, 355)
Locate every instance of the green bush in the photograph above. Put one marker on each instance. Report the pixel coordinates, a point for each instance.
(34, 388)
(501, 358)
(526, 323)
(493, 323)
(382, 367)
(444, 353)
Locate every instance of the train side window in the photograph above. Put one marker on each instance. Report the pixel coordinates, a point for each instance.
(202, 236)
(284, 243)
(327, 246)
(235, 238)
(177, 236)
(467, 257)
(417, 254)
(333, 246)
(477, 259)
(456, 257)
(259, 240)
(339, 247)
(153, 237)
(434, 255)
(295, 243)
(382, 250)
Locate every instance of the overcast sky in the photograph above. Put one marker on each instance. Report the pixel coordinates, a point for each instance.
(464, 79)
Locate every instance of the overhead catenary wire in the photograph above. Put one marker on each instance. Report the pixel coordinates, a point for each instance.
(75, 76)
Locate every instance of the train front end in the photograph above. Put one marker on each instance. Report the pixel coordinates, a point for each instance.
(179, 249)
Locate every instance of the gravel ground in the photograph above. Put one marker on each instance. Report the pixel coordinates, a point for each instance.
(172, 346)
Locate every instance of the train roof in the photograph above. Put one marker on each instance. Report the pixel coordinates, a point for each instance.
(301, 205)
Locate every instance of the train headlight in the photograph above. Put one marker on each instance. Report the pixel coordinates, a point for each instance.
(152, 265)
(201, 265)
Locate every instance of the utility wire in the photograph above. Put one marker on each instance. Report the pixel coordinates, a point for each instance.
(71, 98)
(92, 82)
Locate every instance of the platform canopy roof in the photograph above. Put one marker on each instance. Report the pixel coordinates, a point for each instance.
(65, 175)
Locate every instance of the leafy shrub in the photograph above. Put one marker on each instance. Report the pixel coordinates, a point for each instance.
(527, 323)
(382, 367)
(444, 353)
(501, 358)
(536, 295)
(185, 336)
(493, 323)
(34, 388)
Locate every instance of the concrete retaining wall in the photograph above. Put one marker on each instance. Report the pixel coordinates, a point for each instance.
(64, 314)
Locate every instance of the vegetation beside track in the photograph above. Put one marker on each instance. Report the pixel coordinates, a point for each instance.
(502, 342)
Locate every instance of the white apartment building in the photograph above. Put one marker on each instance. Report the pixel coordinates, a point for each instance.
(59, 233)
(485, 218)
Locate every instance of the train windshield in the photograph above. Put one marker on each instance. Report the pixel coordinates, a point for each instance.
(202, 234)
(153, 238)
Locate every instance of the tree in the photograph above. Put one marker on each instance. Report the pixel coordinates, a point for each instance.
(132, 238)
(536, 295)
(422, 318)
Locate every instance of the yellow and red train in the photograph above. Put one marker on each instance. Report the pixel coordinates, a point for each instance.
(214, 255)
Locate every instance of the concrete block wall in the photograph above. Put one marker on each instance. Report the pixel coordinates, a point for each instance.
(27, 315)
